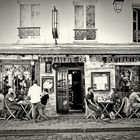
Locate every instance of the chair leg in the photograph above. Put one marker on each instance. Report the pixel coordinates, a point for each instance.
(11, 115)
(134, 112)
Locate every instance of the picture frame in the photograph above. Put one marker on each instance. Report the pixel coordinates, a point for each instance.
(48, 82)
(48, 67)
(100, 81)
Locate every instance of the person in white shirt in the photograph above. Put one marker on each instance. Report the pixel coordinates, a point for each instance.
(35, 95)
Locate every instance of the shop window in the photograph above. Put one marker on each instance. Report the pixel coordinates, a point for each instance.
(19, 77)
(84, 22)
(127, 77)
(29, 21)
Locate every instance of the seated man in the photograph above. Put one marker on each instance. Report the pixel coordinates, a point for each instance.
(135, 99)
(12, 103)
(92, 104)
(1, 104)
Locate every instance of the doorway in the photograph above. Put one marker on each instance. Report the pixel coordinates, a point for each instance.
(75, 90)
(70, 89)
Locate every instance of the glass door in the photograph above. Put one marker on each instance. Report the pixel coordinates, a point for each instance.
(62, 91)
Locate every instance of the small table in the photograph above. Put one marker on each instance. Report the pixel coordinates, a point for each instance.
(24, 104)
(104, 105)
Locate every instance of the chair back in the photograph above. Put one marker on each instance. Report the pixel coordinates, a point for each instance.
(122, 104)
(10, 111)
(86, 107)
(1, 101)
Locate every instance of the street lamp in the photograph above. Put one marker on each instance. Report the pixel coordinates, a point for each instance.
(55, 24)
(32, 69)
(118, 5)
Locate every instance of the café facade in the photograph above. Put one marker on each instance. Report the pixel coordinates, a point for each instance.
(68, 46)
(68, 72)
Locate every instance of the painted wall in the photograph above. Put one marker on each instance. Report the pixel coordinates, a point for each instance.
(9, 21)
(111, 27)
(97, 66)
(51, 105)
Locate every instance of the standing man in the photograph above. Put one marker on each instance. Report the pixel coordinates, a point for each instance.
(35, 94)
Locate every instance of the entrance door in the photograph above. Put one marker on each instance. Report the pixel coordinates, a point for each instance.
(62, 91)
(70, 90)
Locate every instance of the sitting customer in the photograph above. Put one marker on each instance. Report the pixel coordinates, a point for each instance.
(1, 104)
(135, 99)
(92, 104)
(12, 103)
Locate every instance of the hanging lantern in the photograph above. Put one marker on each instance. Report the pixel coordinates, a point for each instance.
(55, 24)
(118, 5)
(32, 61)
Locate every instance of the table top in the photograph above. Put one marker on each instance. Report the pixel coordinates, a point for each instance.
(105, 101)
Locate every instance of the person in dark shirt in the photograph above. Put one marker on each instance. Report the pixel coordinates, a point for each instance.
(44, 100)
(92, 103)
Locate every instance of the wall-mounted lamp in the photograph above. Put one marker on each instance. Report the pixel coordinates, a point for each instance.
(32, 61)
(55, 24)
(118, 5)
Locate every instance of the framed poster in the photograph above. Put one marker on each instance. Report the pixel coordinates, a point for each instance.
(48, 82)
(48, 67)
(100, 81)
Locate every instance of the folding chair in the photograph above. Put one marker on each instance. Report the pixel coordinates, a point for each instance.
(134, 111)
(2, 109)
(117, 112)
(89, 113)
(11, 112)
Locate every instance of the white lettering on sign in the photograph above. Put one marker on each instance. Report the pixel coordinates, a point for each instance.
(69, 59)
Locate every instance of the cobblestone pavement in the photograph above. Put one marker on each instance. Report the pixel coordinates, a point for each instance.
(67, 125)
(78, 136)
(60, 123)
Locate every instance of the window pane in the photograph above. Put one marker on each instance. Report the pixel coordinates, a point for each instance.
(79, 17)
(35, 15)
(90, 16)
(24, 15)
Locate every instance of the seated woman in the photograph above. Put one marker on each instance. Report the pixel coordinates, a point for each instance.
(12, 103)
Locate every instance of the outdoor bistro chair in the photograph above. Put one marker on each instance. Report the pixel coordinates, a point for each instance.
(134, 111)
(117, 112)
(8, 111)
(2, 110)
(89, 113)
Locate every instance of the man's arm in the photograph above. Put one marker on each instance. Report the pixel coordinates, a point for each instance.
(137, 98)
(89, 100)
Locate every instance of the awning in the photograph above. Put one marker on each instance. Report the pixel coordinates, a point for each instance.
(70, 49)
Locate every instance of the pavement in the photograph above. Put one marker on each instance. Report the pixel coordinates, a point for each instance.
(67, 124)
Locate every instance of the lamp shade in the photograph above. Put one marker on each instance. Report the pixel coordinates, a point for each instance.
(118, 5)
(32, 63)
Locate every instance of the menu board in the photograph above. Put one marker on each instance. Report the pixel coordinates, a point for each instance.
(100, 81)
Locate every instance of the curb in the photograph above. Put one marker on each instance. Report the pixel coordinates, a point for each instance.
(30, 132)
